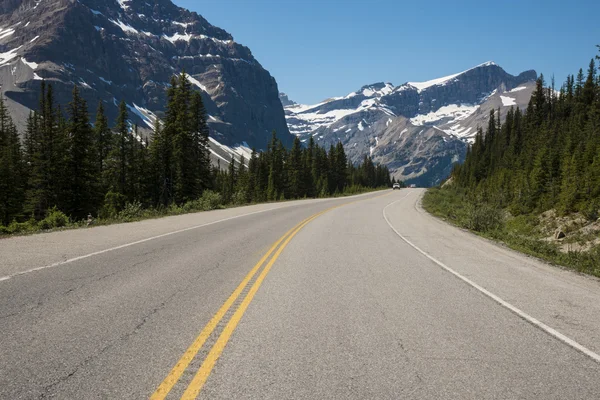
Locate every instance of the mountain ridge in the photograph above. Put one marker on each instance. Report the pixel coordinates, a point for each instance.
(446, 110)
(130, 50)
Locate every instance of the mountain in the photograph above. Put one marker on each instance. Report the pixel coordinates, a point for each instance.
(129, 50)
(418, 129)
(285, 100)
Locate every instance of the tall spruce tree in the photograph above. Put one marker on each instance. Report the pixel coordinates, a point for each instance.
(12, 183)
(104, 137)
(83, 169)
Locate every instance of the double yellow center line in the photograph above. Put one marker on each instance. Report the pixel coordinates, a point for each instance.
(209, 362)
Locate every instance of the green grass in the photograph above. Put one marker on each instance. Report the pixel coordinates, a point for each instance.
(520, 233)
(56, 220)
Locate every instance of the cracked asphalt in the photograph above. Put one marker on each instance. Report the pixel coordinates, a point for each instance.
(349, 310)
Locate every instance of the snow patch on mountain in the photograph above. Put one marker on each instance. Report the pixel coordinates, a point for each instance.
(145, 115)
(6, 32)
(420, 86)
(123, 4)
(373, 91)
(124, 27)
(196, 82)
(508, 101)
(453, 112)
(178, 37)
(518, 89)
(31, 65)
(224, 153)
(9, 55)
(459, 131)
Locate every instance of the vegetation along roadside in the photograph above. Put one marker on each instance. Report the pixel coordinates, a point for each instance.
(533, 182)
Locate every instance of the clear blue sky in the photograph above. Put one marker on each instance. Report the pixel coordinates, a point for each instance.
(323, 48)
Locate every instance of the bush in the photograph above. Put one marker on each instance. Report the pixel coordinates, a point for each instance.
(19, 227)
(591, 211)
(131, 212)
(114, 203)
(192, 206)
(526, 225)
(210, 200)
(239, 198)
(482, 217)
(174, 209)
(54, 219)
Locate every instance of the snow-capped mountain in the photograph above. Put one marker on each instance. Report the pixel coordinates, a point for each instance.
(418, 129)
(129, 50)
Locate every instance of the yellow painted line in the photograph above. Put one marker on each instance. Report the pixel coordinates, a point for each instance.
(175, 374)
(202, 375)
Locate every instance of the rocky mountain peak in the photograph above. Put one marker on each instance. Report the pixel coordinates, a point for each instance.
(129, 50)
(418, 129)
(285, 100)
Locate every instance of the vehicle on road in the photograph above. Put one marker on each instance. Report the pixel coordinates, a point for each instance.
(396, 186)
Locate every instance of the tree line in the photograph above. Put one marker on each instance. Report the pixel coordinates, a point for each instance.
(64, 163)
(547, 157)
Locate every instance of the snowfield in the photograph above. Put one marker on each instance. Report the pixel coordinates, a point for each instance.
(508, 101)
(420, 86)
(454, 112)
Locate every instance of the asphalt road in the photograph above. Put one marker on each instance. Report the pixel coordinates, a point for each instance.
(365, 297)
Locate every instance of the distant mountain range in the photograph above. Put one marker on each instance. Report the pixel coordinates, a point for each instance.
(129, 50)
(418, 129)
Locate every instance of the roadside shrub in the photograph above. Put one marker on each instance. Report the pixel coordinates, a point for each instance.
(174, 209)
(54, 219)
(524, 224)
(591, 211)
(192, 206)
(354, 189)
(447, 203)
(131, 212)
(114, 203)
(239, 198)
(210, 200)
(19, 227)
(483, 218)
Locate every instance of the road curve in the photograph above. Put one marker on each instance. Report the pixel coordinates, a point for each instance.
(361, 297)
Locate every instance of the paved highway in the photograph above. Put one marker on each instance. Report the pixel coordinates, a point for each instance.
(366, 297)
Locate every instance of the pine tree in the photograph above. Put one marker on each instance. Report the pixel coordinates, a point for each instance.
(184, 153)
(294, 170)
(12, 184)
(83, 189)
(121, 153)
(341, 167)
(104, 137)
(45, 152)
(81, 169)
(549, 155)
(200, 143)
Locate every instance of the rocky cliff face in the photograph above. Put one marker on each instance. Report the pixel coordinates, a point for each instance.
(130, 49)
(285, 100)
(418, 129)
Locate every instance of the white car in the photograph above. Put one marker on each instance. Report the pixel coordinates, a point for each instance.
(396, 186)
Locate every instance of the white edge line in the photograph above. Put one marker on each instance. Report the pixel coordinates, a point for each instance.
(551, 331)
(70, 260)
